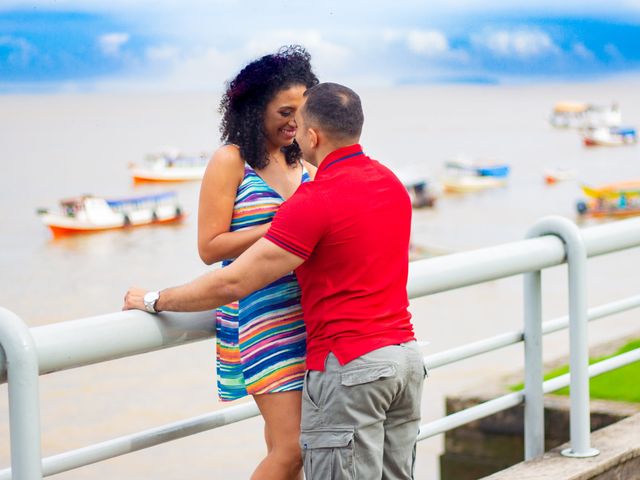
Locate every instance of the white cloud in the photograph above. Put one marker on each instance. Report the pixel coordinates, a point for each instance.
(522, 43)
(582, 51)
(21, 51)
(327, 57)
(611, 50)
(162, 53)
(111, 43)
(427, 42)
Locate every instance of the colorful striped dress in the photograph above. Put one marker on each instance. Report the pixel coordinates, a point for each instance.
(260, 339)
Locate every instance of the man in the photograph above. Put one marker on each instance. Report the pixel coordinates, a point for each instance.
(346, 235)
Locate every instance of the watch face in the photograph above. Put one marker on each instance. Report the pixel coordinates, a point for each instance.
(149, 300)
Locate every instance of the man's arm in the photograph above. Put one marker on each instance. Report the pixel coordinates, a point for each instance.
(261, 264)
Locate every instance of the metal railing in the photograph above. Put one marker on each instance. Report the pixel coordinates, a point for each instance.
(26, 353)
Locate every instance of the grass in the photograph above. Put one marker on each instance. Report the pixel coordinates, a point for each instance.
(622, 384)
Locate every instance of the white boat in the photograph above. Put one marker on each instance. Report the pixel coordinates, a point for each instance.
(87, 213)
(170, 167)
(583, 115)
(471, 183)
(610, 136)
(478, 167)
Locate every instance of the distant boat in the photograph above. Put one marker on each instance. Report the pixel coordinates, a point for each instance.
(481, 168)
(471, 183)
(170, 167)
(620, 199)
(87, 213)
(582, 115)
(555, 175)
(422, 193)
(610, 136)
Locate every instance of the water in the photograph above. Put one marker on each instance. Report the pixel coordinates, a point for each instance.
(58, 146)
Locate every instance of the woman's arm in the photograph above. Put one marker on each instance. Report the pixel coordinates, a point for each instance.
(215, 210)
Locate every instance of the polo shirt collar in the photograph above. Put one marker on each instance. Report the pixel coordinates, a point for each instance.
(338, 156)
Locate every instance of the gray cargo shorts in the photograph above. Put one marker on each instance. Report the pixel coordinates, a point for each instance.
(361, 420)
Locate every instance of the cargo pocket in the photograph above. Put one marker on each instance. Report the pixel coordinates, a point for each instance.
(366, 374)
(328, 453)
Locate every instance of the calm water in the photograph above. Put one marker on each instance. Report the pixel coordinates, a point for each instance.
(64, 145)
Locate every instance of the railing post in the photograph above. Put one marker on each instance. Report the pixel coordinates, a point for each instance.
(533, 394)
(21, 361)
(580, 425)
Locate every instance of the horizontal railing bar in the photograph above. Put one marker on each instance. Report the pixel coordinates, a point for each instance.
(470, 414)
(86, 341)
(448, 272)
(595, 313)
(509, 400)
(594, 369)
(138, 441)
(511, 338)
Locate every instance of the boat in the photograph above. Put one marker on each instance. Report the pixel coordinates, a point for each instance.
(620, 199)
(480, 168)
(610, 136)
(170, 166)
(471, 183)
(581, 115)
(422, 193)
(558, 174)
(88, 213)
(422, 190)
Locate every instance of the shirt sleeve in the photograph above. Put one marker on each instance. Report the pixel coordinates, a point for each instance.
(300, 222)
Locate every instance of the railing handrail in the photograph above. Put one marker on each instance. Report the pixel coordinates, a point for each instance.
(122, 334)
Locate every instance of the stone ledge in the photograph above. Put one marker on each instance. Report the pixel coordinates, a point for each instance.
(619, 458)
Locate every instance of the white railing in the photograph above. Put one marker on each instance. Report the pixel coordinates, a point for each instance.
(26, 353)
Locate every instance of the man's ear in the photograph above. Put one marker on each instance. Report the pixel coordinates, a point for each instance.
(313, 138)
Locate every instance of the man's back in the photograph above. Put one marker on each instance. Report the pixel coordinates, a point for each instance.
(352, 225)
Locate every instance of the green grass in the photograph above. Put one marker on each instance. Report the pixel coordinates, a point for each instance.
(622, 384)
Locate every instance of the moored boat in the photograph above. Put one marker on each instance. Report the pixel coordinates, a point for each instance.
(88, 213)
(471, 183)
(170, 167)
(480, 168)
(610, 136)
(422, 193)
(620, 199)
(582, 115)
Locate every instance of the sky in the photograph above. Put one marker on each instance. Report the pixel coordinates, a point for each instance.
(172, 45)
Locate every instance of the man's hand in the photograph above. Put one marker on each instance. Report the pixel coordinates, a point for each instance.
(133, 299)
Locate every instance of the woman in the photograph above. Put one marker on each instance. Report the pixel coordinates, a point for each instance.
(261, 338)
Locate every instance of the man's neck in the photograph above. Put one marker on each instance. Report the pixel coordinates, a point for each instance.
(327, 149)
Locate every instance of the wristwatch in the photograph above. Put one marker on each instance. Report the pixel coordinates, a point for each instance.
(150, 299)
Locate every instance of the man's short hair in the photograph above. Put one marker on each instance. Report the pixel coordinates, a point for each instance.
(334, 109)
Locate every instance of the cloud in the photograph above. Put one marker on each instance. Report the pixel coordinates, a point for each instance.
(427, 42)
(580, 50)
(162, 53)
(521, 43)
(328, 57)
(111, 43)
(613, 51)
(20, 50)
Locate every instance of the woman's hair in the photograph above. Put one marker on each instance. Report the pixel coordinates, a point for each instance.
(244, 103)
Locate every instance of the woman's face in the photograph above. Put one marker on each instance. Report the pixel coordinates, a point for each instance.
(279, 116)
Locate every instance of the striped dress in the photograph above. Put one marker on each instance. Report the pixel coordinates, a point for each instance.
(260, 339)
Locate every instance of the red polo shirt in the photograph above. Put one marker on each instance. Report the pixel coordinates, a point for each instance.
(351, 225)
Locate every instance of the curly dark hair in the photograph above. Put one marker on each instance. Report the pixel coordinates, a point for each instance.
(244, 103)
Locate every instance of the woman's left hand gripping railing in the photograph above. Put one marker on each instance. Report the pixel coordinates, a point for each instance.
(19, 367)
